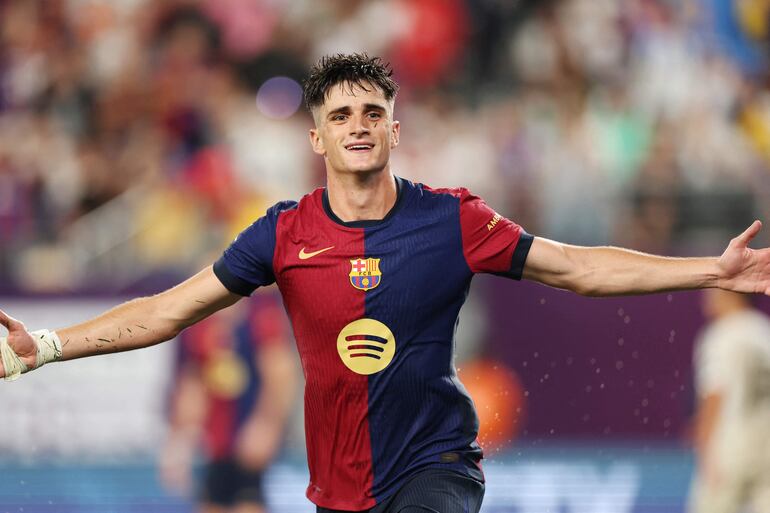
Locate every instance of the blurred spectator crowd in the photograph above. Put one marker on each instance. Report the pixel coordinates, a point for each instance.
(138, 137)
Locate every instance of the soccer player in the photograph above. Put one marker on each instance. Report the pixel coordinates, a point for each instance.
(233, 391)
(373, 270)
(732, 428)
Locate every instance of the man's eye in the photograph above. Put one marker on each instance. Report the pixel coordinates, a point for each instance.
(374, 115)
(338, 117)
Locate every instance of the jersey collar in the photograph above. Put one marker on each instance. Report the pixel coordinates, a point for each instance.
(366, 223)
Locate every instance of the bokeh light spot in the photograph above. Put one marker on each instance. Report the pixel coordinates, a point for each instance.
(279, 97)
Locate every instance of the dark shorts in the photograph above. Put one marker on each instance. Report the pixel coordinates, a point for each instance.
(434, 490)
(226, 483)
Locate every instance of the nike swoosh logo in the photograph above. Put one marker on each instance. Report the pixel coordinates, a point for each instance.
(305, 256)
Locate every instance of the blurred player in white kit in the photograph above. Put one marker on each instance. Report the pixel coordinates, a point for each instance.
(732, 427)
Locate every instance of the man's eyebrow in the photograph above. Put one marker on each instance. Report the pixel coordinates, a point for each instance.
(347, 110)
(374, 106)
(339, 110)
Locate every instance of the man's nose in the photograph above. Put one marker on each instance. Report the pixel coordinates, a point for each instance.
(359, 125)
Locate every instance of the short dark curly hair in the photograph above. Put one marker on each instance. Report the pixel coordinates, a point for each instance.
(355, 69)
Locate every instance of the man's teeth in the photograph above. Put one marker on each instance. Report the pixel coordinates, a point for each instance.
(360, 147)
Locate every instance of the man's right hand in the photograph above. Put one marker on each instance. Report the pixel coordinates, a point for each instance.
(19, 340)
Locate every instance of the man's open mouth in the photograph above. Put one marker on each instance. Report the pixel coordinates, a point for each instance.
(359, 147)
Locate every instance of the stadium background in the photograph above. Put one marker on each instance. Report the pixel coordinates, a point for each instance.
(137, 137)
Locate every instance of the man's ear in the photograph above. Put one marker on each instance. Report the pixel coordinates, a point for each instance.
(395, 129)
(316, 142)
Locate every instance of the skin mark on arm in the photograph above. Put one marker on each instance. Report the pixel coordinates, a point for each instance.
(105, 340)
(65, 344)
(143, 327)
(200, 301)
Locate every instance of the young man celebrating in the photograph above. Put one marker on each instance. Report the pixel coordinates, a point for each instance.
(373, 270)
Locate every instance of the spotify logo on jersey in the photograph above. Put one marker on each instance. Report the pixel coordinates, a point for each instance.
(366, 346)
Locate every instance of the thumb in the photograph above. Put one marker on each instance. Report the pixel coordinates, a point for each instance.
(9, 322)
(750, 232)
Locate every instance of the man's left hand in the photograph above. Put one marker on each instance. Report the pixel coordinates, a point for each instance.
(743, 269)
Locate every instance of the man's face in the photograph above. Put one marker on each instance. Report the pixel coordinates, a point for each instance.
(355, 130)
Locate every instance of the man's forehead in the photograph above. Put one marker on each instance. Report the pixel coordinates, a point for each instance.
(346, 93)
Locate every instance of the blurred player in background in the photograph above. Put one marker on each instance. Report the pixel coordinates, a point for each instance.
(732, 431)
(373, 270)
(234, 387)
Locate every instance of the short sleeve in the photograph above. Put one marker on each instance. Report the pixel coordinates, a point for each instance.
(491, 243)
(715, 357)
(248, 262)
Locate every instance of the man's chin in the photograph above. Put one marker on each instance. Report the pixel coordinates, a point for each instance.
(364, 170)
(361, 167)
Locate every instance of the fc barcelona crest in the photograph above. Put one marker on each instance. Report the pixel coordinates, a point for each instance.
(365, 273)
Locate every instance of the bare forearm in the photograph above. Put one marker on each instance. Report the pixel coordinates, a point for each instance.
(610, 271)
(147, 321)
(132, 325)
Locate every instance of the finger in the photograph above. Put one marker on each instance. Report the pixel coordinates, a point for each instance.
(750, 232)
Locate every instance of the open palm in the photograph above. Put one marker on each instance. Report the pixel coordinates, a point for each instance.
(19, 340)
(744, 269)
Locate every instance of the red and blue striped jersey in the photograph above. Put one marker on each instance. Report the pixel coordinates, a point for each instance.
(374, 307)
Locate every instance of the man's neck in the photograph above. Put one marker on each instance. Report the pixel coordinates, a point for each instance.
(355, 197)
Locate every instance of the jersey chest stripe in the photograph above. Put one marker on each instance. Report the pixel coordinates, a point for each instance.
(321, 301)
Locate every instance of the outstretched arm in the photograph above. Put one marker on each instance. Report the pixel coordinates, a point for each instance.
(138, 323)
(609, 271)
